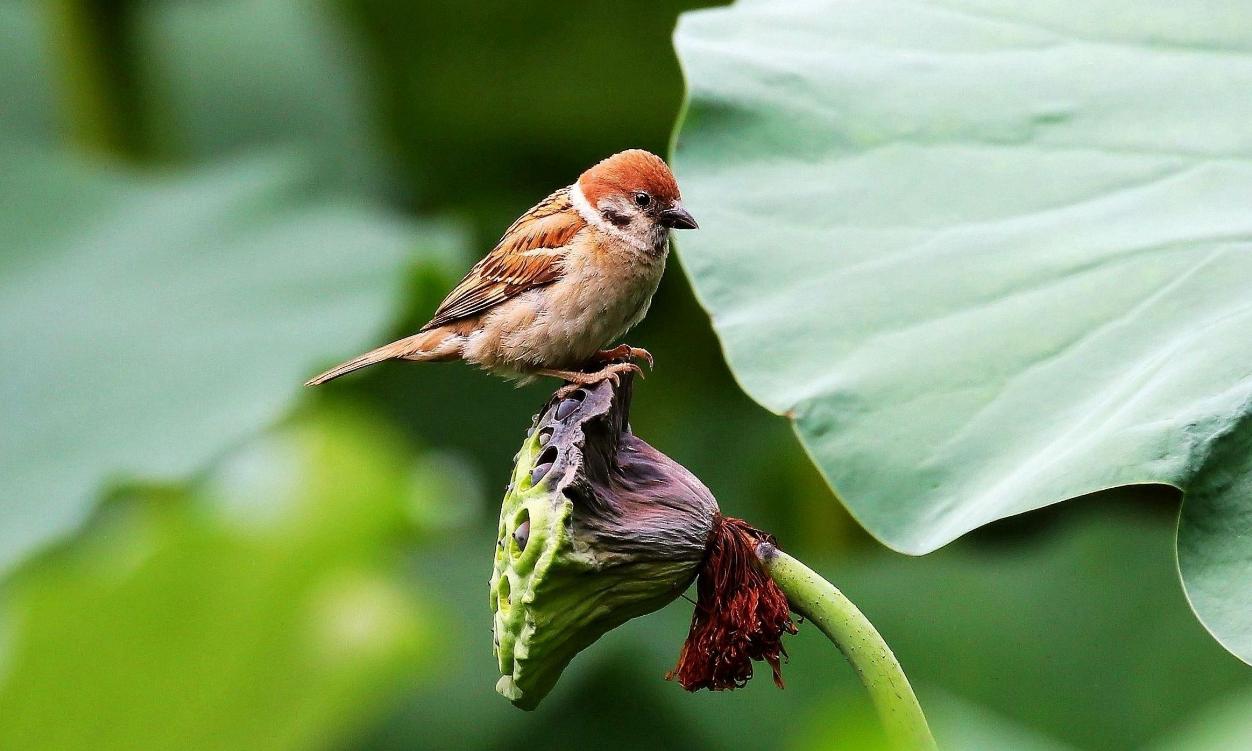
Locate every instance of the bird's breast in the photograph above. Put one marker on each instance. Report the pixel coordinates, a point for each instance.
(604, 289)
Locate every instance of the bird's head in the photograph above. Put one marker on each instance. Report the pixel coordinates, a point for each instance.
(635, 192)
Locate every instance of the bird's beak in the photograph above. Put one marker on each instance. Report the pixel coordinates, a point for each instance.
(677, 217)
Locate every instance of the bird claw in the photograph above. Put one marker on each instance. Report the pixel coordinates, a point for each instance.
(644, 355)
(622, 351)
(611, 373)
(575, 380)
(566, 390)
(615, 370)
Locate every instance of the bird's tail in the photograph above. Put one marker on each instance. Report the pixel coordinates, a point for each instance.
(426, 345)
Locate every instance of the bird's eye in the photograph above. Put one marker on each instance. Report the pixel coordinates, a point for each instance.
(642, 200)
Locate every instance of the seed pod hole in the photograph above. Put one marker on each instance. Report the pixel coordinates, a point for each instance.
(545, 462)
(545, 435)
(521, 533)
(503, 590)
(569, 404)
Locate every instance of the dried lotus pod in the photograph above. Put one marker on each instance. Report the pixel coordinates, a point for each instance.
(597, 528)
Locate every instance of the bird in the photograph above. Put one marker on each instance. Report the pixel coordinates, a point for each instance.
(569, 277)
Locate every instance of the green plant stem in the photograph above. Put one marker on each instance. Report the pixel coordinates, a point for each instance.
(94, 49)
(819, 601)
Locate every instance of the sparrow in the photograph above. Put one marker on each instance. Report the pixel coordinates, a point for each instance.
(569, 277)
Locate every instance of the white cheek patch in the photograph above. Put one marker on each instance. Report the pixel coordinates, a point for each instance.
(592, 217)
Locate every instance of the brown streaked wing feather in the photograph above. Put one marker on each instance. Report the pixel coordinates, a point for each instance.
(527, 256)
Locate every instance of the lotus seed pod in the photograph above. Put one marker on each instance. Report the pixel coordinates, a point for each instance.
(597, 527)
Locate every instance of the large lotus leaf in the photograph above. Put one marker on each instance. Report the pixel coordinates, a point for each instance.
(988, 255)
(147, 323)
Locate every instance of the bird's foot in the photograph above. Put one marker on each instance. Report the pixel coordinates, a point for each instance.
(577, 379)
(625, 351)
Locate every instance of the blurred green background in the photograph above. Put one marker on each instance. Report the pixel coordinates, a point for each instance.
(256, 566)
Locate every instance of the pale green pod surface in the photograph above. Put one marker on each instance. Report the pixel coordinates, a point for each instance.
(597, 527)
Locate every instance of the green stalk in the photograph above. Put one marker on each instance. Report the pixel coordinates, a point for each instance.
(93, 43)
(819, 601)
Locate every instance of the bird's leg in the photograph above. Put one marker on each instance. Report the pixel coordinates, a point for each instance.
(625, 351)
(577, 378)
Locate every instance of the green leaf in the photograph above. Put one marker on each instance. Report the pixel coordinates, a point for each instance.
(1226, 723)
(264, 611)
(989, 256)
(147, 323)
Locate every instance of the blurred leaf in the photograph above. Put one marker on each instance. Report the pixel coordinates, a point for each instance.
(962, 725)
(229, 75)
(495, 101)
(216, 78)
(262, 612)
(147, 323)
(988, 256)
(25, 73)
(957, 724)
(1226, 724)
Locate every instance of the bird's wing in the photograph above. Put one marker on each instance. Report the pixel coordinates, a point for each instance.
(528, 256)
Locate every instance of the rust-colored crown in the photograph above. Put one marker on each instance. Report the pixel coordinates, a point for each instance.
(627, 172)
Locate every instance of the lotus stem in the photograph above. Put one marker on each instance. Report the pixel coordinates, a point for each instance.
(820, 602)
(93, 42)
